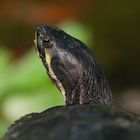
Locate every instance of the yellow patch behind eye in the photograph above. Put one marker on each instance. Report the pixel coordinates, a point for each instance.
(48, 57)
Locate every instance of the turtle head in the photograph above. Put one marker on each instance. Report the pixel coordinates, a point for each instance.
(71, 66)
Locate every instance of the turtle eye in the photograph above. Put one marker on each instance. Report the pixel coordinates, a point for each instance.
(47, 43)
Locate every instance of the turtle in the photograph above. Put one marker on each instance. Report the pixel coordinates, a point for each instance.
(88, 113)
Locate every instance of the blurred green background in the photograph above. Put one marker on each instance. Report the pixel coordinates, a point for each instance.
(110, 28)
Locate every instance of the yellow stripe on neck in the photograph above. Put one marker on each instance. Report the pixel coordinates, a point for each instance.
(53, 76)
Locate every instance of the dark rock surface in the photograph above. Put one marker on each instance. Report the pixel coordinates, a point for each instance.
(78, 122)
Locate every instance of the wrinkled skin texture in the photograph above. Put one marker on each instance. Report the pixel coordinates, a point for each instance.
(79, 122)
(74, 65)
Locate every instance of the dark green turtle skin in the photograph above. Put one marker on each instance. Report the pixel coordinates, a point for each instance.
(88, 113)
(77, 122)
(78, 74)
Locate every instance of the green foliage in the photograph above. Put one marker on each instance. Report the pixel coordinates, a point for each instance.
(3, 128)
(25, 78)
(24, 88)
(78, 31)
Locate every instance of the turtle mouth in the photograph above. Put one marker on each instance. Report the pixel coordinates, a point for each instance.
(38, 43)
